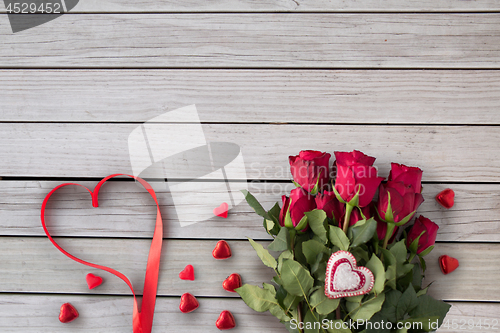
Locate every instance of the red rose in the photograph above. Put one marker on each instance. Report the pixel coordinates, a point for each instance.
(328, 202)
(403, 199)
(356, 173)
(408, 175)
(299, 203)
(428, 237)
(310, 167)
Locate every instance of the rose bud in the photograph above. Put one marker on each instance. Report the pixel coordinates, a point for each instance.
(328, 202)
(355, 174)
(298, 204)
(428, 229)
(403, 202)
(309, 168)
(408, 175)
(284, 209)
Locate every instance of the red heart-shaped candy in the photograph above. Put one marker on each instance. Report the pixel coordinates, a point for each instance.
(232, 282)
(446, 198)
(189, 303)
(225, 321)
(221, 210)
(222, 250)
(67, 313)
(448, 264)
(93, 280)
(187, 273)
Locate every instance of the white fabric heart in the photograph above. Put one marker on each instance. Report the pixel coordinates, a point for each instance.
(344, 278)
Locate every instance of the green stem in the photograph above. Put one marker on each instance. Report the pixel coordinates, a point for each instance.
(388, 235)
(347, 218)
(299, 313)
(411, 257)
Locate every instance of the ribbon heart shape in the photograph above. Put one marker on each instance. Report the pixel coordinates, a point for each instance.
(344, 278)
(142, 321)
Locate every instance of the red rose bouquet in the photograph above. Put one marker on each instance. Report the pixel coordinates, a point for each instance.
(346, 257)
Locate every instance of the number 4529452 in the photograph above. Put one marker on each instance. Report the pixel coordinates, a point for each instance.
(32, 8)
(470, 324)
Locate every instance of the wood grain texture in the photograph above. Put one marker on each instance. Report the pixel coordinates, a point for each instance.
(257, 40)
(456, 153)
(331, 96)
(111, 314)
(126, 210)
(34, 265)
(477, 264)
(128, 6)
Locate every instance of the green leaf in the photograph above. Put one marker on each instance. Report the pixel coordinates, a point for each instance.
(375, 322)
(322, 304)
(281, 242)
(284, 255)
(338, 238)
(256, 298)
(270, 288)
(292, 327)
(428, 324)
(363, 233)
(302, 224)
(274, 213)
(426, 251)
(317, 220)
(422, 264)
(414, 245)
(429, 307)
(311, 249)
(389, 309)
(296, 280)
(336, 326)
(321, 272)
(263, 254)
(423, 291)
(377, 268)
(278, 312)
(365, 310)
(399, 251)
(254, 203)
(406, 303)
(311, 323)
(315, 266)
(354, 299)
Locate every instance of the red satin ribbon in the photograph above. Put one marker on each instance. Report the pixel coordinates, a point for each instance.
(143, 320)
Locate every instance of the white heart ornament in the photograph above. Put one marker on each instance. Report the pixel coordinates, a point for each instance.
(344, 278)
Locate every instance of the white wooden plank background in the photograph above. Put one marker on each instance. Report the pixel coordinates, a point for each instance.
(113, 314)
(445, 153)
(257, 40)
(35, 266)
(123, 6)
(65, 85)
(126, 210)
(326, 96)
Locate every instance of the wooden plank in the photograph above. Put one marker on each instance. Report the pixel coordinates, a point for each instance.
(369, 97)
(114, 314)
(456, 153)
(477, 263)
(34, 265)
(126, 210)
(128, 6)
(257, 40)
